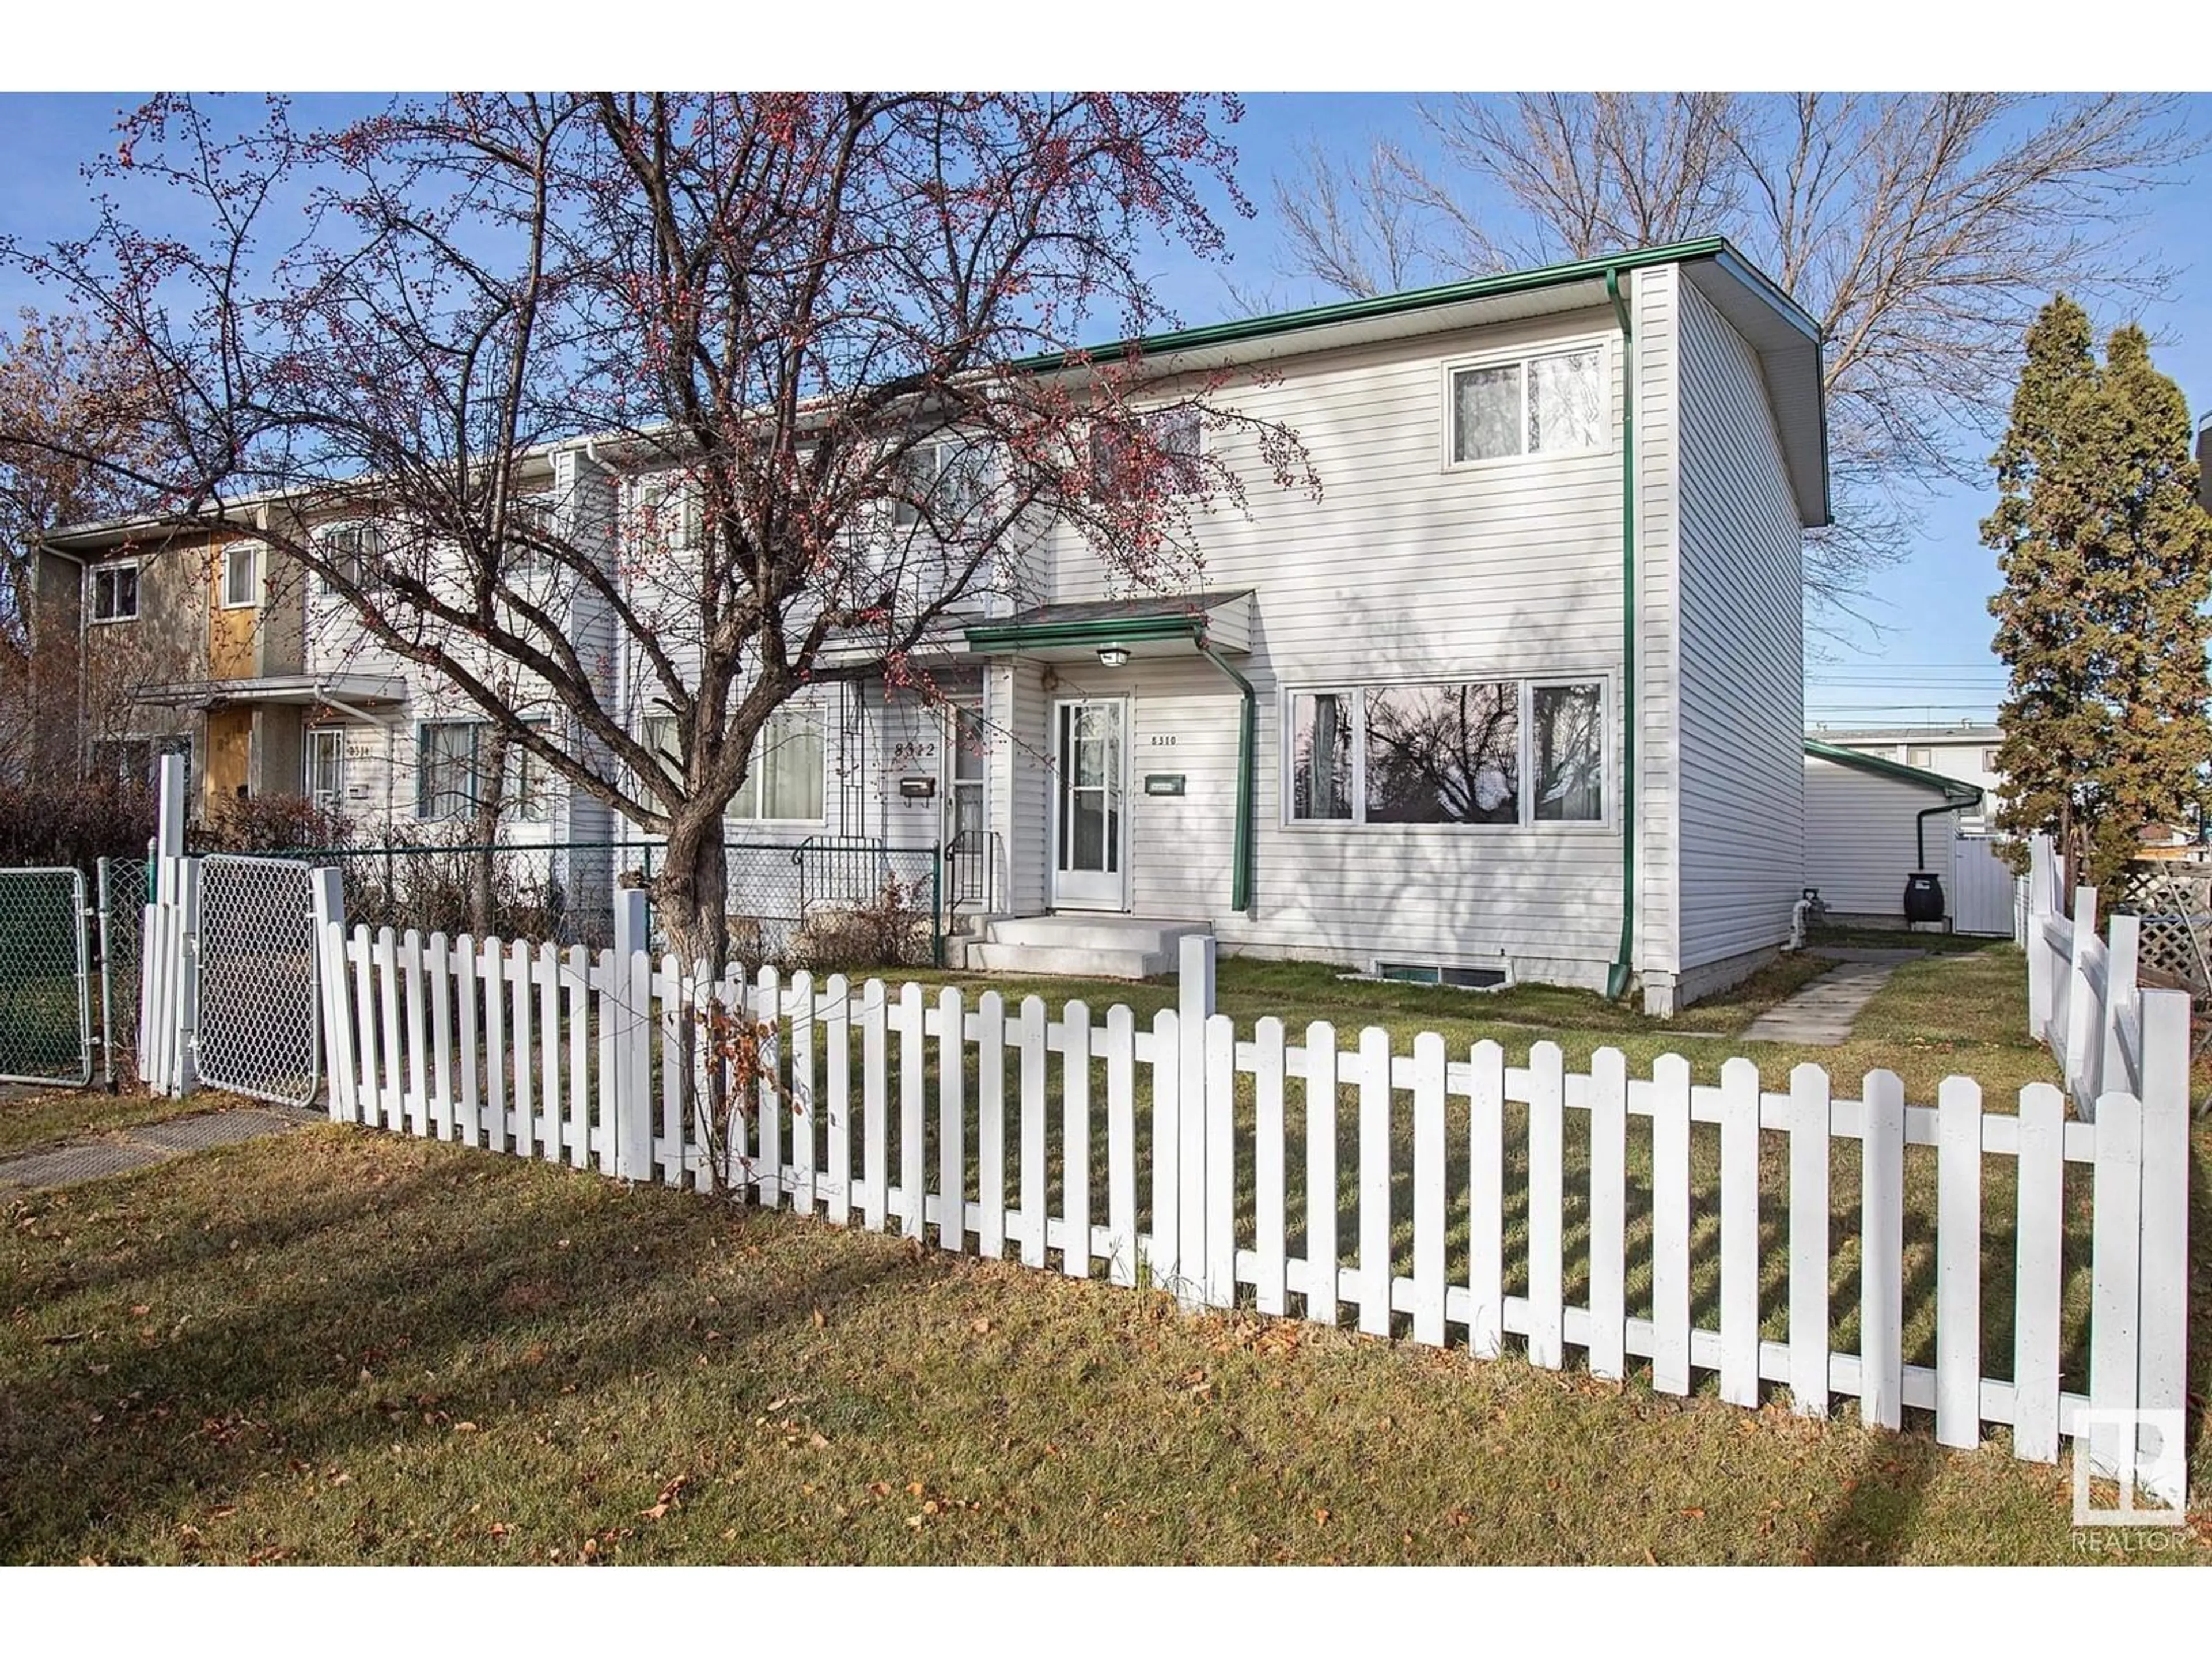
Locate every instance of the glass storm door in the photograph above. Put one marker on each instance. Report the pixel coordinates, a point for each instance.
(1091, 755)
(327, 769)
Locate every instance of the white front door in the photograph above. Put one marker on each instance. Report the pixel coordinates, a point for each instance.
(1091, 762)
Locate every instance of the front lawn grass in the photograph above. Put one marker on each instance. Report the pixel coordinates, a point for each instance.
(340, 1346)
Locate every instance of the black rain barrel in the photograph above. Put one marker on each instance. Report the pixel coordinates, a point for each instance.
(1923, 896)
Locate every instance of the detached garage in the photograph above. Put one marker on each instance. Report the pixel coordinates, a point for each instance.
(1870, 824)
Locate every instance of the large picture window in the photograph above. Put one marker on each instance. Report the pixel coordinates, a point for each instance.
(1489, 751)
(1444, 754)
(1541, 404)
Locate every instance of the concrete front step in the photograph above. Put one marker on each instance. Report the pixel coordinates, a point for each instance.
(1071, 962)
(1085, 932)
(1083, 946)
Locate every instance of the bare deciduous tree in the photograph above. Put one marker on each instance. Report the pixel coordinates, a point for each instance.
(841, 328)
(1922, 231)
(69, 391)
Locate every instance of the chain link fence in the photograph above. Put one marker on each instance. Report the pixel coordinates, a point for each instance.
(46, 1002)
(826, 901)
(121, 889)
(260, 1031)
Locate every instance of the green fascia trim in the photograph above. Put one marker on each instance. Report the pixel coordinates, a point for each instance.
(1958, 793)
(1423, 298)
(1105, 630)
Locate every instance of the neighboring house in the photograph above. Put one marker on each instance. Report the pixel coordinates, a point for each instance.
(1965, 753)
(1871, 823)
(2204, 462)
(184, 645)
(1516, 698)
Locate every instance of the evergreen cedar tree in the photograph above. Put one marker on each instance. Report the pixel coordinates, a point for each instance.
(2106, 556)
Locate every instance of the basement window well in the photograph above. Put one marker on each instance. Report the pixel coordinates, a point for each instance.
(1430, 973)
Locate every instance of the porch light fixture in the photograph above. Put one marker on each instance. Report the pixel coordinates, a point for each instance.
(1114, 656)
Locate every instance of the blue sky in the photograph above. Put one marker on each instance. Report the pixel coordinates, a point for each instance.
(1929, 660)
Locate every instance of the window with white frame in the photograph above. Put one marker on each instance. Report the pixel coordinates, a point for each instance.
(1544, 403)
(668, 514)
(532, 781)
(1177, 437)
(241, 568)
(445, 769)
(452, 765)
(783, 784)
(115, 591)
(355, 552)
(1490, 751)
(325, 777)
(942, 481)
(657, 733)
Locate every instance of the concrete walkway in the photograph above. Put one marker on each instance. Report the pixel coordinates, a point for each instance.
(1820, 1015)
(65, 1163)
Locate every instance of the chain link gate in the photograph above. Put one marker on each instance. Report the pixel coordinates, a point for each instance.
(45, 981)
(260, 1028)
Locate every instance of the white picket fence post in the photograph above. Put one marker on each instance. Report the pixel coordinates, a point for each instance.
(627, 1011)
(1193, 1005)
(2162, 1290)
(2085, 988)
(2041, 886)
(327, 894)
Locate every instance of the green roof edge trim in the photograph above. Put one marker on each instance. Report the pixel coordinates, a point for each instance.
(1951, 788)
(1090, 631)
(1421, 299)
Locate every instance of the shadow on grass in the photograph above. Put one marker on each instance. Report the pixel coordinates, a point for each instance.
(300, 1349)
(1871, 1523)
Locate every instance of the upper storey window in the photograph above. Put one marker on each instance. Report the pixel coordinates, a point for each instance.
(1544, 403)
(115, 591)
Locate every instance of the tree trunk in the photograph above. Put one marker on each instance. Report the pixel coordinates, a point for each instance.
(484, 829)
(691, 895)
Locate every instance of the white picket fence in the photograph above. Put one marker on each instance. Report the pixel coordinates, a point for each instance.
(1210, 1141)
(2083, 999)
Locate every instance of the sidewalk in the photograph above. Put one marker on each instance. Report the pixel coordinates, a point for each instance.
(65, 1163)
(1822, 1015)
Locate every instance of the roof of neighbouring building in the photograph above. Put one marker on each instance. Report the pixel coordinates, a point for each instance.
(1965, 794)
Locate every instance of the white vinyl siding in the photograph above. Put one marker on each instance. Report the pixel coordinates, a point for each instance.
(1859, 838)
(1501, 572)
(1742, 665)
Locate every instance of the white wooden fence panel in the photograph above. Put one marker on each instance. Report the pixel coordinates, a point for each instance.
(1608, 1215)
(991, 1125)
(1429, 1189)
(1740, 1242)
(2036, 1281)
(540, 1052)
(1374, 1189)
(951, 1120)
(1881, 1253)
(1670, 1227)
(1270, 1292)
(1809, 1241)
(1121, 1146)
(1075, 1144)
(1547, 1135)
(1959, 1263)
(1487, 1199)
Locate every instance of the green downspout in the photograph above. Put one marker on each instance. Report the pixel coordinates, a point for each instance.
(1616, 979)
(1240, 885)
